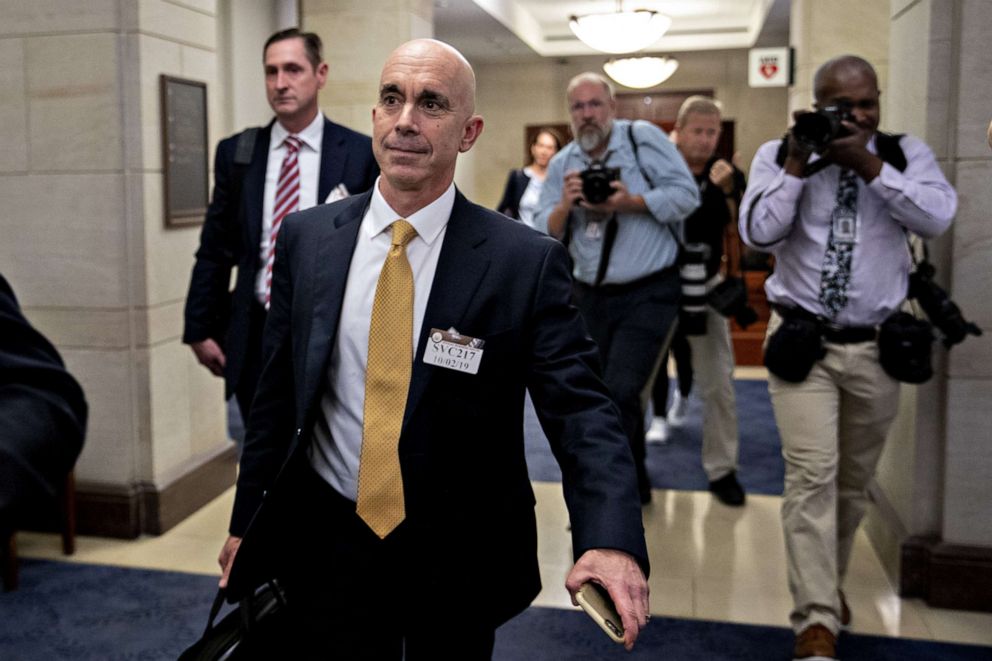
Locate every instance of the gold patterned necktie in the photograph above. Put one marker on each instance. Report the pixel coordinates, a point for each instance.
(387, 380)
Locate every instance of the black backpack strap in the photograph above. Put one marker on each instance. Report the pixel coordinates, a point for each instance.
(890, 151)
(243, 152)
(246, 146)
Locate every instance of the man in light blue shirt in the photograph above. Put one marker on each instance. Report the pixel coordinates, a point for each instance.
(624, 242)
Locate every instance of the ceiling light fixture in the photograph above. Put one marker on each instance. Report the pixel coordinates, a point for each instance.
(641, 72)
(620, 31)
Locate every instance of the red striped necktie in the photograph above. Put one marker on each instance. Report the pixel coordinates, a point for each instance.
(287, 201)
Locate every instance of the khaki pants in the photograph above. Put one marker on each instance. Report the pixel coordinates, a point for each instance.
(713, 369)
(833, 426)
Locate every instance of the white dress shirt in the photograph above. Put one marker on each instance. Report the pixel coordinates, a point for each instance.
(790, 218)
(308, 158)
(337, 445)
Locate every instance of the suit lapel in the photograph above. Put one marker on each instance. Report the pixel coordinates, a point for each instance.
(332, 157)
(463, 262)
(332, 259)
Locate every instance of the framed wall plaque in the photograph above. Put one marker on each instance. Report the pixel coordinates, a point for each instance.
(184, 150)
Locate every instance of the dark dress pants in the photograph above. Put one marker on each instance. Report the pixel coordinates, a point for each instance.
(631, 323)
(682, 354)
(251, 366)
(353, 596)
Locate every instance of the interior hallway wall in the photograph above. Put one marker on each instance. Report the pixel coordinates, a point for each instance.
(88, 251)
(933, 525)
(513, 95)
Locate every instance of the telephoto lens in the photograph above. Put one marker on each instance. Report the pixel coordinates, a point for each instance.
(692, 271)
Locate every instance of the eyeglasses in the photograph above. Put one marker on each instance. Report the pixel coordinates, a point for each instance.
(594, 104)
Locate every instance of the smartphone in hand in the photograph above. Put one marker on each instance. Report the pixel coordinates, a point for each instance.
(596, 602)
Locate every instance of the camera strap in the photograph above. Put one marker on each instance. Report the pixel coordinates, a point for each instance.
(609, 238)
(916, 266)
(637, 161)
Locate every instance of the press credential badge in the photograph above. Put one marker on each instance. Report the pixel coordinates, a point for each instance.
(454, 351)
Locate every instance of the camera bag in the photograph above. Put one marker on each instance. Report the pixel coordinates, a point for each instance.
(904, 348)
(728, 295)
(795, 346)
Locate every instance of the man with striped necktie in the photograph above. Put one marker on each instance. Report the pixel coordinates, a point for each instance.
(261, 175)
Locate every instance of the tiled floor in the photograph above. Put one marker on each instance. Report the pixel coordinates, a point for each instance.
(708, 561)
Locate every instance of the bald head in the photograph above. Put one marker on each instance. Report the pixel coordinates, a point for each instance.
(444, 57)
(850, 83)
(839, 71)
(424, 118)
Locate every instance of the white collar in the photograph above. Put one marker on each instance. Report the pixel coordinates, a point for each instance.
(312, 136)
(428, 221)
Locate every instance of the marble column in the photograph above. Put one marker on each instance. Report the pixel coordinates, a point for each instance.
(87, 250)
(933, 527)
(358, 36)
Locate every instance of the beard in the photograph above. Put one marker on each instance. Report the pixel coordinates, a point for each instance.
(591, 136)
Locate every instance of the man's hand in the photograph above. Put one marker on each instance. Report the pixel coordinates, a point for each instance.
(226, 558)
(622, 577)
(621, 201)
(210, 355)
(571, 194)
(722, 176)
(851, 151)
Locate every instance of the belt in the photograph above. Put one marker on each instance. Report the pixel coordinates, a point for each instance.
(624, 287)
(849, 334)
(830, 332)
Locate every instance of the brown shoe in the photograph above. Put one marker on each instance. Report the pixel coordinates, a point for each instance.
(845, 612)
(815, 643)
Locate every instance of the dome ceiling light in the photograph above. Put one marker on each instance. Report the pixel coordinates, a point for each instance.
(620, 31)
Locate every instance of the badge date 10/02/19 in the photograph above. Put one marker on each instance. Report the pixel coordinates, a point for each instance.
(453, 351)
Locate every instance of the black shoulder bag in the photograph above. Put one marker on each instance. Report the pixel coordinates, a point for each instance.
(258, 620)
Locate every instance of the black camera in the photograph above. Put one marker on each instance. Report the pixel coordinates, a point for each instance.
(692, 271)
(940, 309)
(815, 130)
(729, 298)
(596, 182)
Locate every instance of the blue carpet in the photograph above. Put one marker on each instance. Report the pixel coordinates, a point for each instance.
(677, 464)
(85, 612)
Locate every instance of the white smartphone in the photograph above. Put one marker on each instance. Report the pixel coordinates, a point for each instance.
(596, 602)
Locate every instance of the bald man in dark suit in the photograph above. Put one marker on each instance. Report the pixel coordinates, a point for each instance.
(489, 319)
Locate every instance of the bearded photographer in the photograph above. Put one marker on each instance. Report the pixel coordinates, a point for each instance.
(617, 196)
(834, 205)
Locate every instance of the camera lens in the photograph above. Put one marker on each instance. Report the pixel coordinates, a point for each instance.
(692, 316)
(815, 129)
(596, 182)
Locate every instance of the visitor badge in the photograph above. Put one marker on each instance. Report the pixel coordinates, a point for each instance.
(454, 351)
(845, 226)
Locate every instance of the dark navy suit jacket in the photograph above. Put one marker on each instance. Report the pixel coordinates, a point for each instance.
(232, 235)
(462, 444)
(43, 413)
(516, 183)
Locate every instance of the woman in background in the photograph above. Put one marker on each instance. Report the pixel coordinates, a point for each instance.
(523, 187)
